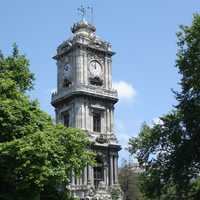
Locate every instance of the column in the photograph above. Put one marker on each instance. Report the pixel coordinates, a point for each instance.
(73, 179)
(110, 73)
(78, 114)
(81, 68)
(103, 121)
(85, 176)
(105, 175)
(107, 120)
(111, 170)
(90, 178)
(78, 180)
(116, 169)
(87, 117)
(112, 119)
(91, 119)
(83, 115)
(76, 66)
(106, 72)
(85, 68)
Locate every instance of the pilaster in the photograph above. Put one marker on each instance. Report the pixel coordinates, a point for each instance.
(111, 170)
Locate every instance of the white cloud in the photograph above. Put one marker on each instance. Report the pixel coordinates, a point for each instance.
(125, 90)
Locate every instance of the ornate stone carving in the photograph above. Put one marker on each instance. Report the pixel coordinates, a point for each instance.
(102, 139)
(102, 192)
(96, 81)
(96, 56)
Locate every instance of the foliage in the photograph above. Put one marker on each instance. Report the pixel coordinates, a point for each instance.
(36, 156)
(116, 192)
(169, 152)
(129, 181)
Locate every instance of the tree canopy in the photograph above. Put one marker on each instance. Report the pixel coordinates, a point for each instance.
(169, 152)
(36, 156)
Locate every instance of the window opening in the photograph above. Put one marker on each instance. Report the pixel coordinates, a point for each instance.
(97, 122)
(66, 119)
(98, 172)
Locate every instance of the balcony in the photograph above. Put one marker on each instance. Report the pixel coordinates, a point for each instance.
(88, 90)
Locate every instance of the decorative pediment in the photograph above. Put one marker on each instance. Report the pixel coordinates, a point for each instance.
(102, 139)
(96, 81)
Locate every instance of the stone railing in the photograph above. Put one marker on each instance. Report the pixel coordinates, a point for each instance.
(85, 89)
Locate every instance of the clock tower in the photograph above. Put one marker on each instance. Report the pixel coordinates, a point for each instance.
(85, 99)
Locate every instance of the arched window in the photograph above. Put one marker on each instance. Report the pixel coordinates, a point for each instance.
(98, 171)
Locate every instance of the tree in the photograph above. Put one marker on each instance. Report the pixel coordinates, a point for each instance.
(169, 152)
(129, 181)
(36, 156)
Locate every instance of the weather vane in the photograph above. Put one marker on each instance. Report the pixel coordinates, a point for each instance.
(86, 12)
(82, 12)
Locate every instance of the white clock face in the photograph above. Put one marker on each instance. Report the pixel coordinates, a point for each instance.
(95, 68)
(67, 70)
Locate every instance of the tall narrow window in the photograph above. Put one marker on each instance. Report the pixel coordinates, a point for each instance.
(97, 122)
(98, 172)
(66, 119)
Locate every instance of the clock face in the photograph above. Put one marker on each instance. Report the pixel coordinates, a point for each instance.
(95, 68)
(67, 70)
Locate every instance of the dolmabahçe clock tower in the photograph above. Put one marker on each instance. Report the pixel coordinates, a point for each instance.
(85, 99)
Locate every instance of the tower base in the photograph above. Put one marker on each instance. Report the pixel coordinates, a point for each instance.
(103, 192)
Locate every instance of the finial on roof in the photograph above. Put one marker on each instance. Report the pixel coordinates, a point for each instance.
(84, 26)
(82, 12)
(86, 12)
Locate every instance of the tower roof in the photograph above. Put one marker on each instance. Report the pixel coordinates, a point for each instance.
(83, 26)
(84, 34)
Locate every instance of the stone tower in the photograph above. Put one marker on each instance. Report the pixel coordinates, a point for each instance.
(85, 99)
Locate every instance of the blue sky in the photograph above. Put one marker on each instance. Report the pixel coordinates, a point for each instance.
(142, 33)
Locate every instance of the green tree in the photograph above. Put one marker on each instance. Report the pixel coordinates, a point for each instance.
(129, 181)
(36, 156)
(169, 152)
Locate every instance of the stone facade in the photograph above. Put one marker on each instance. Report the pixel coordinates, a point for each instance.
(85, 99)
